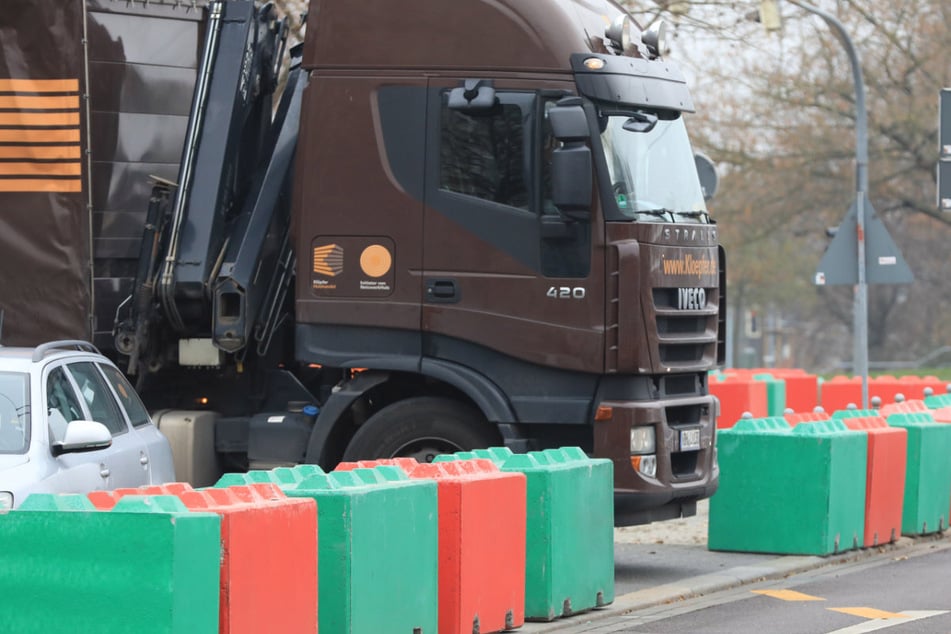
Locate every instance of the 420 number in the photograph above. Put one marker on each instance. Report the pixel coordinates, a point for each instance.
(566, 292)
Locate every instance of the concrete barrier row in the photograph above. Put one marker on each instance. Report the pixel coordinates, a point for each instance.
(474, 543)
(771, 392)
(814, 484)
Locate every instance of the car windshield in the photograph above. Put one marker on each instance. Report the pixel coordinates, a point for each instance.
(652, 168)
(14, 412)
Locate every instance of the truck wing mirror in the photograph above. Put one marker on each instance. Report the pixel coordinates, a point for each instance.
(707, 172)
(474, 94)
(571, 178)
(569, 122)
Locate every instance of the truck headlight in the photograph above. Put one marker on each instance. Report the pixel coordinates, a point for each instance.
(642, 440)
(6, 501)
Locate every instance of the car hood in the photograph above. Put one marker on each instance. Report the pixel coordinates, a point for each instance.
(8, 461)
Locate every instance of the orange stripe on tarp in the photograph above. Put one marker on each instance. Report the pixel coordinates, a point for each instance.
(31, 102)
(38, 185)
(41, 169)
(39, 118)
(39, 136)
(39, 152)
(39, 85)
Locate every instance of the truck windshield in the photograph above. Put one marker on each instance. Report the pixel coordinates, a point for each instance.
(14, 412)
(652, 168)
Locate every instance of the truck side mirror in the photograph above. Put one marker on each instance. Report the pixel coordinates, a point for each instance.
(569, 122)
(707, 172)
(571, 163)
(571, 178)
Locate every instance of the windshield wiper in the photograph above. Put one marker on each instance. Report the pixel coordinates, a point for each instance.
(694, 214)
(660, 212)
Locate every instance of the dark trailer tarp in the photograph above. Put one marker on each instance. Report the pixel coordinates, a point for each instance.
(82, 129)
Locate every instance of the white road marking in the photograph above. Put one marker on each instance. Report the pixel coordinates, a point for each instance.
(881, 624)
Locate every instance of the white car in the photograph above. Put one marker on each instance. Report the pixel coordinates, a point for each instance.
(70, 422)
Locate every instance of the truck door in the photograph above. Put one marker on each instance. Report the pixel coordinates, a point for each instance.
(499, 286)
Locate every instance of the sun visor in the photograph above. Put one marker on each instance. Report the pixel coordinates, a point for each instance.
(633, 81)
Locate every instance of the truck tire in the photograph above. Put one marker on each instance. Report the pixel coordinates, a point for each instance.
(421, 428)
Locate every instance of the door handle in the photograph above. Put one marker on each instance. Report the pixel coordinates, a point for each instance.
(104, 471)
(442, 291)
(143, 459)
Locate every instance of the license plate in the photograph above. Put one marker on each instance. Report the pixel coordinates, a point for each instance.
(690, 439)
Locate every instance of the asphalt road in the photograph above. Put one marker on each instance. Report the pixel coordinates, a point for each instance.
(901, 588)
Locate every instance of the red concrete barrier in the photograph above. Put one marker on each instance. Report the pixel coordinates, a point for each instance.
(913, 387)
(802, 388)
(739, 395)
(269, 554)
(805, 417)
(905, 407)
(885, 478)
(105, 500)
(942, 415)
(482, 515)
(838, 392)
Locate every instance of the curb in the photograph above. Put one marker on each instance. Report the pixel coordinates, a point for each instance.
(701, 585)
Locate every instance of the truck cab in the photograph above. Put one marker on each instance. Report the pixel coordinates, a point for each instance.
(519, 223)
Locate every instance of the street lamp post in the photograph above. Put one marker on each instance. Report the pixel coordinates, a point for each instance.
(860, 290)
(769, 15)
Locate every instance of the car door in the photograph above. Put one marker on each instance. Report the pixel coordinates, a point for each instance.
(128, 459)
(70, 472)
(160, 465)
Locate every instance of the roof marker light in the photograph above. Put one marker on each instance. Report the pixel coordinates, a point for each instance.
(594, 63)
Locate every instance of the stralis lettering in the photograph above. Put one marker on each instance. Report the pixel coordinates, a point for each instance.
(688, 265)
(691, 298)
(691, 234)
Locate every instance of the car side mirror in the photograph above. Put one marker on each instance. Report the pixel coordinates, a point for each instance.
(82, 436)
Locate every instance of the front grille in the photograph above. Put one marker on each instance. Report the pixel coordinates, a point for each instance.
(686, 336)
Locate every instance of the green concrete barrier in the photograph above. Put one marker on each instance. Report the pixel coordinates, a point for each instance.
(789, 491)
(570, 528)
(854, 413)
(377, 548)
(938, 401)
(147, 566)
(928, 473)
(775, 393)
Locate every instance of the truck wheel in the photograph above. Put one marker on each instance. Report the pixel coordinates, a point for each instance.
(421, 428)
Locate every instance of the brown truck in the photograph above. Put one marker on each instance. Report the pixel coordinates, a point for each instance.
(461, 224)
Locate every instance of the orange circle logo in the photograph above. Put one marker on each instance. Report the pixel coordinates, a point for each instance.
(376, 260)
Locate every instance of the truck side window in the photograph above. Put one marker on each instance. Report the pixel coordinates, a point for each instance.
(482, 154)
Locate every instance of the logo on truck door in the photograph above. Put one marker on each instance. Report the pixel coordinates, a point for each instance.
(352, 266)
(328, 260)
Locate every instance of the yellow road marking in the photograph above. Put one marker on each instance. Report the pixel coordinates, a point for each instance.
(788, 595)
(869, 613)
